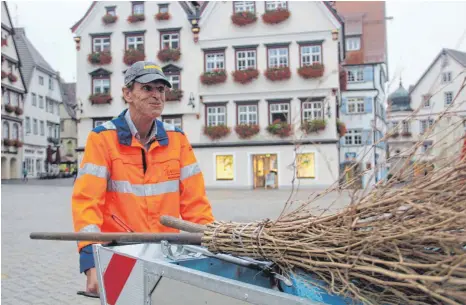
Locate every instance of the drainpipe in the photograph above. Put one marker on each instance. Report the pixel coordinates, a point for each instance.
(375, 121)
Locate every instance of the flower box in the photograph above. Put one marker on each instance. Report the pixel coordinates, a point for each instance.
(313, 125)
(8, 142)
(18, 111)
(246, 131)
(278, 73)
(162, 16)
(9, 108)
(355, 57)
(17, 143)
(281, 129)
(100, 98)
(174, 95)
(243, 18)
(341, 128)
(406, 133)
(213, 77)
(132, 56)
(13, 78)
(276, 16)
(216, 132)
(136, 18)
(4, 74)
(169, 54)
(313, 71)
(245, 76)
(100, 58)
(108, 19)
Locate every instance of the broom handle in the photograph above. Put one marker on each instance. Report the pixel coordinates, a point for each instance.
(174, 238)
(183, 225)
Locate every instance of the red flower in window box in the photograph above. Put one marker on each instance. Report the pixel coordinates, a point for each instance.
(169, 54)
(174, 95)
(276, 16)
(9, 108)
(355, 57)
(163, 16)
(243, 18)
(8, 142)
(313, 71)
(216, 132)
(313, 125)
(4, 42)
(406, 133)
(107, 19)
(136, 18)
(17, 143)
(100, 58)
(245, 76)
(246, 131)
(100, 98)
(214, 77)
(281, 129)
(132, 56)
(278, 73)
(18, 111)
(4, 74)
(12, 77)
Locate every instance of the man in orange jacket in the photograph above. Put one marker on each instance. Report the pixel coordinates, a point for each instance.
(136, 168)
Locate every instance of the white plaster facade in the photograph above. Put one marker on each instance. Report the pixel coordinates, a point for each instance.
(310, 23)
(13, 90)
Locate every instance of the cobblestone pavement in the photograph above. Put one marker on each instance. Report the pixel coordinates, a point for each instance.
(46, 272)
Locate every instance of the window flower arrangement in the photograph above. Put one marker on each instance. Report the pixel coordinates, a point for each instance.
(246, 131)
(216, 132)
(174, 95)
(276, 16)
(169, 54)
(8, 142)
(132, 56)
(214, 77)
(108, 19)
(279, 128)
(243, 18)
(13, 78)
(100, 58)
(100, 98)
(312, 71)
(245, 76)
(9, 108)
(136, 18)
(278, 73)
(315, 125)
(162, 16)
(18, 111)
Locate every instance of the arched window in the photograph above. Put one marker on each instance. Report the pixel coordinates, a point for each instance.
(6, 130)
(15, 132)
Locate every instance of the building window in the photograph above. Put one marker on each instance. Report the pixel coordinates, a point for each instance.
(305, 165)
(274, 5)
(163, 8)
(353, 43)
(224, 167)
(215, 61)
(42, 128)
(216, 115)
(448, 97)
(41, 102)
(170, 40)
(356, 105)
(280, 112)
(41, 80)
(246, 59)
(34, 126)
(6, 130)
(355, 75)
(30, 165)
(101, 86)
(247, 115)
(34, 99)
(111, 11)
(353, 137)
(138, 8)
(311, 55)
(426, 100)
(173, 120)
(135, 42)
(446, 77)
(406, 127)
(28, 125)
(14, 98)
(312, 111)
(175, 81)
(101, 44)
(278, 57)
(244, 6)
(425, 124)
(50, 83)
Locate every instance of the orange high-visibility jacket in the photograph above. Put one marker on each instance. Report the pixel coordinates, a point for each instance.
(121, 186)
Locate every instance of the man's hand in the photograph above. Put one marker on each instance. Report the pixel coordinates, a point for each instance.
(92, 285)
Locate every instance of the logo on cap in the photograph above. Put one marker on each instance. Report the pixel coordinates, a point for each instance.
(152, 67)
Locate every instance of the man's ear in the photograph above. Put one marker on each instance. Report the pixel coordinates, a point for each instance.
(127, 95)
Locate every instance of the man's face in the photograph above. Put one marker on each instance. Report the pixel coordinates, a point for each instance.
(147, 99)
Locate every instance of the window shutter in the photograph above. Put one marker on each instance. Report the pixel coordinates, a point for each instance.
(368, 104)
(344, 103)
(368, 74)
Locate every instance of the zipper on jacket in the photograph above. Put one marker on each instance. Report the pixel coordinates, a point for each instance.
(144, 165)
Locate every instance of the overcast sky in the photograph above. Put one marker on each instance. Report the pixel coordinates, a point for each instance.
(417, 33)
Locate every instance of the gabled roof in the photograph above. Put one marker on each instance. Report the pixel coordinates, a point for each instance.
(68, 94)
(30, 57)
(458, 56)
(77, 24)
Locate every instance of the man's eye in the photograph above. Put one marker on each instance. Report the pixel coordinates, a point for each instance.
(147, 88)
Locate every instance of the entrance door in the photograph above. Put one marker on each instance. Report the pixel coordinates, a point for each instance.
(265, 171)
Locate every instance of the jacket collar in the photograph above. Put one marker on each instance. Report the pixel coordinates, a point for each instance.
(124, 132)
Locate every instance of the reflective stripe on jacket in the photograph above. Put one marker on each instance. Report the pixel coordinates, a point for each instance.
(120, 186)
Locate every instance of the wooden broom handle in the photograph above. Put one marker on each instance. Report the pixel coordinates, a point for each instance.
(183, 225)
